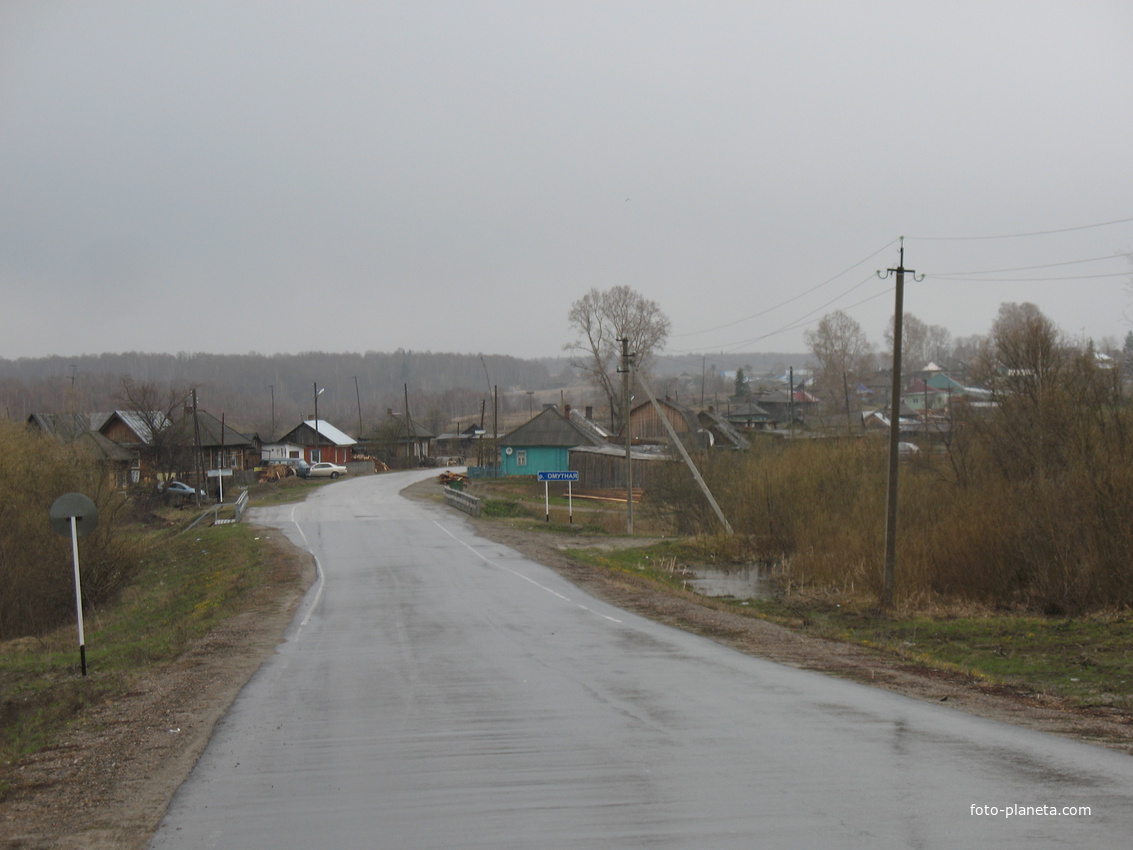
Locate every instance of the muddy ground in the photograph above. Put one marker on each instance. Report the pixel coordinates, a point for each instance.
(108, 783)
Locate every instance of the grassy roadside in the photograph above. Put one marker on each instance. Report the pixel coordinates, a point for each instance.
(187, 585)
(1084, 660)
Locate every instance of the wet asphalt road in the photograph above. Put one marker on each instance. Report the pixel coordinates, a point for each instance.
(437, 690)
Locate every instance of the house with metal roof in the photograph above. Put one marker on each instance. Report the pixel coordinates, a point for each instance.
(543, 444)
(320, 441)
(143, 434)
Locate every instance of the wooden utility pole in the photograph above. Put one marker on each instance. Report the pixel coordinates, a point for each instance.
(679, 446)
(625, 370)
(358, 395)
(888, 576)
(197, 462)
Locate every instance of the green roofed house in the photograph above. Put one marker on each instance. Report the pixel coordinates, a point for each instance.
(543, 444)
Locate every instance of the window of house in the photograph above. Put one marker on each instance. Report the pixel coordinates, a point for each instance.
(521, 457)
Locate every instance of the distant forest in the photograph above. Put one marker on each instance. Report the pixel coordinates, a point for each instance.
(254, 389)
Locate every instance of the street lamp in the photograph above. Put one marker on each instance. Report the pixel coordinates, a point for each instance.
(315, 389)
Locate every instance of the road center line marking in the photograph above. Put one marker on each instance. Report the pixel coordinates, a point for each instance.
(500, 566)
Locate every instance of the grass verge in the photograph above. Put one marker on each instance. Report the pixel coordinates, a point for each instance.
(188, 583)
(1083, 660)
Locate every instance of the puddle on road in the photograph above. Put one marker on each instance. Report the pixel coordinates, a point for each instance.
(752, 582)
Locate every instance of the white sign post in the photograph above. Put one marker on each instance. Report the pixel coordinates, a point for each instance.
(75, 514)
(568, 477)
(220, 474)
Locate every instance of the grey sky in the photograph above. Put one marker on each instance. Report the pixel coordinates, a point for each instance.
(285, 177)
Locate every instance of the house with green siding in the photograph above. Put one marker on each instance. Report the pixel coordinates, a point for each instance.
(543, 444)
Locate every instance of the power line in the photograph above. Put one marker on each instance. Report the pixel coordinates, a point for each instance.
(1021, 279)
(1021, 235)
(1043, 266)
(805, 320)
(791, 299)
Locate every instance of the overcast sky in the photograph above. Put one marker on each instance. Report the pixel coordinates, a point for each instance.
(283, 177)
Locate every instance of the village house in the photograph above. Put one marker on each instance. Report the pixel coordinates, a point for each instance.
(543, 444)
(318, 440)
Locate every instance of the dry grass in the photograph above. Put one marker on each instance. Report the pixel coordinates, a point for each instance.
(1051, 537)
(36, 565)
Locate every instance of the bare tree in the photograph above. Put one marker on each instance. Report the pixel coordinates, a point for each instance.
(600, 319)
(843, 354)
(921, 343)
(1027, 362)
(161, 414)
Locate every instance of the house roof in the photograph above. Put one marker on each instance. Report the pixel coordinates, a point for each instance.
(329, 432)
(303, 433)
(211, 433)
(552, 428)
(723, 429)
(419, 431)
(749, 410)
(138, 422)
(65, 426)
(596, 430)
(102, 447)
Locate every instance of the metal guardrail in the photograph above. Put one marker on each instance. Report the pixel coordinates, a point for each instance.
(462, 501)
(241, 505)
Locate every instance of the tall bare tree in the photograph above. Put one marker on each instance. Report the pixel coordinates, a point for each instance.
(161, 412)
(600, 319)
(920, 343)
(842, 352)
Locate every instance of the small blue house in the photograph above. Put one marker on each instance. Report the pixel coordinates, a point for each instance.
(543, 444)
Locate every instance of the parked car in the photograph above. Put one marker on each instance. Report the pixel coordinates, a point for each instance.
(325, 470)
(179, 488)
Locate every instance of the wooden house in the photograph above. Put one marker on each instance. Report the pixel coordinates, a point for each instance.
(543, 444)
(320, 441)
(400, 442)
(222, 447)
(646, 426)
(76, 429)
(142, 433)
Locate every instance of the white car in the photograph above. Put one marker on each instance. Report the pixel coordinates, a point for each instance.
(179, 488)
(325, 470)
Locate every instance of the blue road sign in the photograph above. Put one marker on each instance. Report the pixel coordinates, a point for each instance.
(572, 475)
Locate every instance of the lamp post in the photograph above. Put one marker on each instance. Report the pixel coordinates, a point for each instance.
(315, 389)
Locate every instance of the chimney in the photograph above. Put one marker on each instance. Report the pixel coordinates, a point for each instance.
(567, 411)
(590, 411)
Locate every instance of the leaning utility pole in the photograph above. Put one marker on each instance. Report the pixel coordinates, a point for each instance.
(679, 446)
(888, 576)
(625, 370)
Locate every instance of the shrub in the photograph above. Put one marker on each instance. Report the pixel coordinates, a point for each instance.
(36, 570)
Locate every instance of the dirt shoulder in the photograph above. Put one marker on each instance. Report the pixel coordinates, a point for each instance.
(108, 783)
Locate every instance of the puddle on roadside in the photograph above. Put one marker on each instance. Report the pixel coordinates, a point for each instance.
(753, 582)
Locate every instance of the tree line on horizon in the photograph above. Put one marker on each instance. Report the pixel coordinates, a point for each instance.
(257, 390)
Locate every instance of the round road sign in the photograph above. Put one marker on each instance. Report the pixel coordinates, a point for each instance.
(73, 505)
